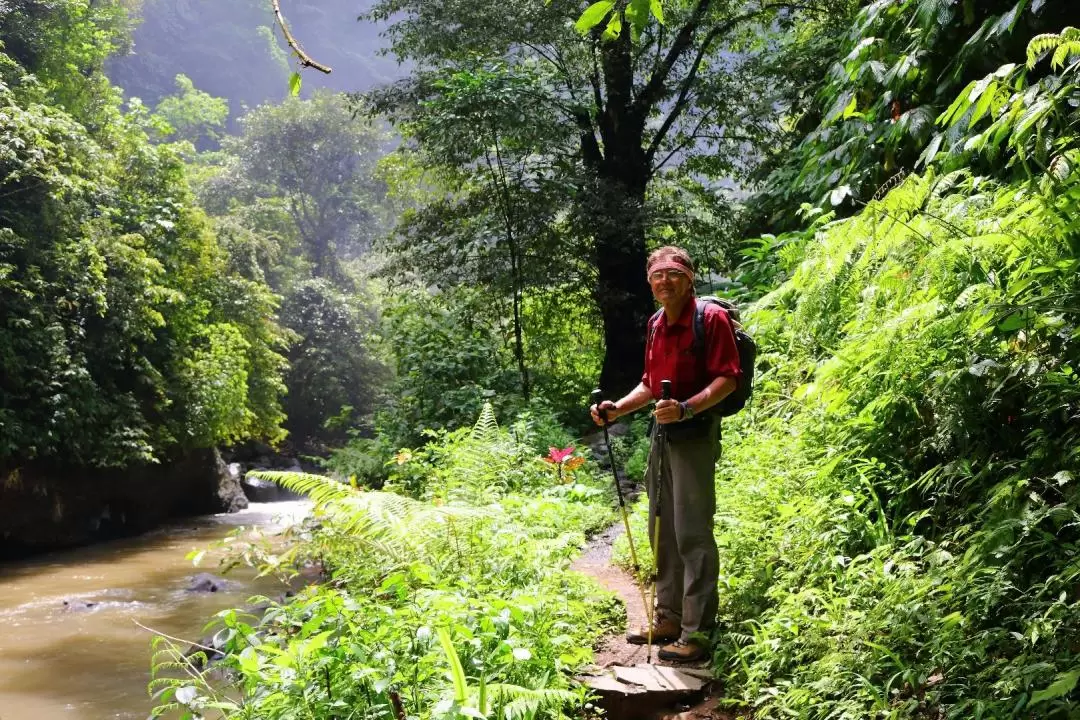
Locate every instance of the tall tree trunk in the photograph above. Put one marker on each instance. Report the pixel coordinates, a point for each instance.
(622, 170)
(622, 292)
(519, 343)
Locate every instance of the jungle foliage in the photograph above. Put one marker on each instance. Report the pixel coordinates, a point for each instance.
(869, 109)
(296, 193)
(449, 598)
(125, 335)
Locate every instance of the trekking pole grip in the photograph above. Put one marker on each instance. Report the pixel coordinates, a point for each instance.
(665, 389)
(597, 398)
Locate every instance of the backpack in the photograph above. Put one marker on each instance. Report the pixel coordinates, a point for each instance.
(744, 344)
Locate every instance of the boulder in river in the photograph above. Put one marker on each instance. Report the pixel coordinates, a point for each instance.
(79, 605)
(205, 582)
(263, 491)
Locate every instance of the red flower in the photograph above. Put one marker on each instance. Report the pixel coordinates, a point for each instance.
(557, 456)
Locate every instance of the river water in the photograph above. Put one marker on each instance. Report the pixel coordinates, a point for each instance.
(59, 663)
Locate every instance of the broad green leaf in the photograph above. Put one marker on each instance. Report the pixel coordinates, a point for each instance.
(594, 15)
(931, 150)
(457, 672)
(637, 14)
(657, 9)
(983, 106)
(294, 84)
(1015, 321)
(959, 106)
(614, 27)
(1063, 685)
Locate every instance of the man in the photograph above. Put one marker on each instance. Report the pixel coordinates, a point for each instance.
(687, 565)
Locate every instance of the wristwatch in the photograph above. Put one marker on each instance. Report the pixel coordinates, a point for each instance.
(687, 411)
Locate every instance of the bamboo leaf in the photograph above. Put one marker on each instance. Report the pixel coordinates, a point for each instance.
(1063, 685)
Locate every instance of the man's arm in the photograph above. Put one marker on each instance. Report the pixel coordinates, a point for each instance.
(716, 391)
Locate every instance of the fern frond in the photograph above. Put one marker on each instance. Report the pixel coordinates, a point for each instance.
(486, 428)
(1064, 45)
(392, 526)
(321, 489)
(521, 703)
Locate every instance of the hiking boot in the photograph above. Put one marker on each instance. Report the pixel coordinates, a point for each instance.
(683, 651)
(664, 629)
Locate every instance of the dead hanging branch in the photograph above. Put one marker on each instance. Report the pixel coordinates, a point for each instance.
(305, 59)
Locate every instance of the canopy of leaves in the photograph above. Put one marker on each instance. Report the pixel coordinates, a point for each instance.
(192, 114)
(303, 171)
(901, 65)
(125, 335)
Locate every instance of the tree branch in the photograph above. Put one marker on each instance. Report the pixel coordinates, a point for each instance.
(305, 59)
(688, 82)
(652, 90)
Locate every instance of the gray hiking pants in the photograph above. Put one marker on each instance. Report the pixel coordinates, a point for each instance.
(687, 561)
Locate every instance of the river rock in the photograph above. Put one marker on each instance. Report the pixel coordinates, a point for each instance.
(205, 582)
(259, 490)
(79, 605)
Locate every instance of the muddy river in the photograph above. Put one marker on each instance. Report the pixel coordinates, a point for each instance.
(86, 659)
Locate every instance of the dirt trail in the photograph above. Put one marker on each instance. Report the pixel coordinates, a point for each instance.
(596, 561)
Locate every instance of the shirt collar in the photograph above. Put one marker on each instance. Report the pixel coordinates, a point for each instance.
(686, 317)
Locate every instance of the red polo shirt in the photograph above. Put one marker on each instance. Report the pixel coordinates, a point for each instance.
(670, 355)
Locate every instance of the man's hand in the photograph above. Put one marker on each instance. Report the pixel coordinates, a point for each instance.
(667, 412)
(610, 411)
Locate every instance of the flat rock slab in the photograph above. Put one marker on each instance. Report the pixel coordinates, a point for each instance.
(640, 691)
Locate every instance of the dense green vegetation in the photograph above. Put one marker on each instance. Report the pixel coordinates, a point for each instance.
(125, 333)
(898, 522)
(361, 277)
(448, 593)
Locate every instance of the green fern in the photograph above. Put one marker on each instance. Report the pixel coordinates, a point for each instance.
(396, 528)
(486, 428)
(321, 489)
(521, 703)
(1065, 44)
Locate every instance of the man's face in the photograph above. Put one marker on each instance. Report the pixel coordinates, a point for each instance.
(669, 287)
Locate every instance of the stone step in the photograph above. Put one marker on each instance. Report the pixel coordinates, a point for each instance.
(641, 691)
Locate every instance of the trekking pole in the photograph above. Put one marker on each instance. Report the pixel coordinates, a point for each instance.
(661, 439)
(597, 398)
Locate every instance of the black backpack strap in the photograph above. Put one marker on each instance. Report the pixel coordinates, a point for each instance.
(652, 327)
(699, 328)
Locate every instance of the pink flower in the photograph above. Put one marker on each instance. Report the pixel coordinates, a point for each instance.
(557, 456)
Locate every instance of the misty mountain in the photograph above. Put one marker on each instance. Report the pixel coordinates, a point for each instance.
(233, 49)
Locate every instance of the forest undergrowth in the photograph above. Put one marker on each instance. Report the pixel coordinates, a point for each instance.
(897, 515)
(448, 593)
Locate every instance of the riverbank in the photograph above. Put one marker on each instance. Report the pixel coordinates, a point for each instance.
(48, 508)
